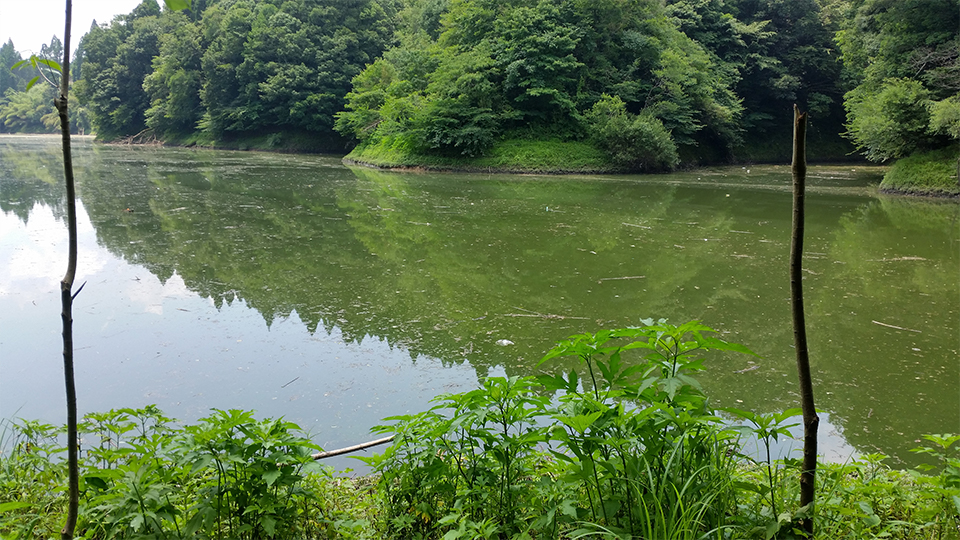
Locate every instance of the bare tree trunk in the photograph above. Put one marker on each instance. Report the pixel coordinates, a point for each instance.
(810, 419)
(66, 290)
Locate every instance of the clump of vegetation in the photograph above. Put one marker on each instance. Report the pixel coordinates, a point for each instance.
(141, 477)
(626, 446)
(509, 155)
(926, 173)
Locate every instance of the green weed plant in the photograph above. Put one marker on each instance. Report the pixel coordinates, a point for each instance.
(626, 445)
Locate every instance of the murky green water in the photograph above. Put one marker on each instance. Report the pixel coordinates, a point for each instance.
(337, 296)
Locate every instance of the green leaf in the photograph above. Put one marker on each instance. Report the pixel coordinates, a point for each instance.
(32, 82)
(194, 524)
(581, 422)
(269, 525)
(50, 64)
(177, 5)
(7, 506)
(271, 477)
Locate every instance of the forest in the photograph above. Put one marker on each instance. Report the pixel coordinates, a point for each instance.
(648, 85)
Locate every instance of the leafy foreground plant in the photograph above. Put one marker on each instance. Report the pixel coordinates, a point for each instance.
(634, 450)
(630, 449)
(229, 476)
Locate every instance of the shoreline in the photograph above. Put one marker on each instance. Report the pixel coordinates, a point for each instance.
(908, 177)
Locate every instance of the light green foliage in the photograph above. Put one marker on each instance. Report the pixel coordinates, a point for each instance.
(925, 173)
(766, 428)
(30, 478)
(945, 116)
(611, 459)
(29, 112)
(475, 465)
(634, 449)
(26, 107)
(229, 476)
(531, 70)
(637, 142)
(902, 56)
(891, 122)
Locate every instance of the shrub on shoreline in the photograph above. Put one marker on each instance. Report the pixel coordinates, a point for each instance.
(625, 447)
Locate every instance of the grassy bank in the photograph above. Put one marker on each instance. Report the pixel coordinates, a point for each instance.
(632, 451)
(511, 155)
(556, 157)
(929, 173)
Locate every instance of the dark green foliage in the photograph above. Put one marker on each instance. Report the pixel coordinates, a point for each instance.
(174, 85)
(229, 68)
(792, 59)
(117, 59)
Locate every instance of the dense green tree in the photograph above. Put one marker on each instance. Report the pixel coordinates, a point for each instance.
(28, 112)
(637, 142)
(452, 77)
(533, 69)
(9, 79)
(287, 65)
(174, 85)
(32, 111)
(117, 59)
(904, 56)
(792, 61)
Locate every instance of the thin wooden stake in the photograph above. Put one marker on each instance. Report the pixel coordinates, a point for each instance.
(810, 419)
(66, 289)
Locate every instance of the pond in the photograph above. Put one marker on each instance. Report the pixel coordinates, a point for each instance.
(336, 296)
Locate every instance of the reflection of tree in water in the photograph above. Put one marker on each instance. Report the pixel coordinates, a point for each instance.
(31, 173)
(899, 268)
(446, 267)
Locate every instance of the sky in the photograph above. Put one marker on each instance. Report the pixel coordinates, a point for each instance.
(31, 23)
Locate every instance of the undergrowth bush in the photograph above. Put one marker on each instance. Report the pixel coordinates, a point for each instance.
(229, 476)
(626, 446)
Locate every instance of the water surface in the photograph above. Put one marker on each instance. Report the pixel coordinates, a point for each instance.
(337, 296)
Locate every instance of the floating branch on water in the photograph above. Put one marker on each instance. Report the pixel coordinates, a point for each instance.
(354, 448)
(896, 327)
(540, 315)
(601, 280)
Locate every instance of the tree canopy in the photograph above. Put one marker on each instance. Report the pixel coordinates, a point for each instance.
(651, 83)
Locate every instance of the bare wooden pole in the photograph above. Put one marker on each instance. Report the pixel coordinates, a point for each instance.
(66, 289)
(810, 419)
